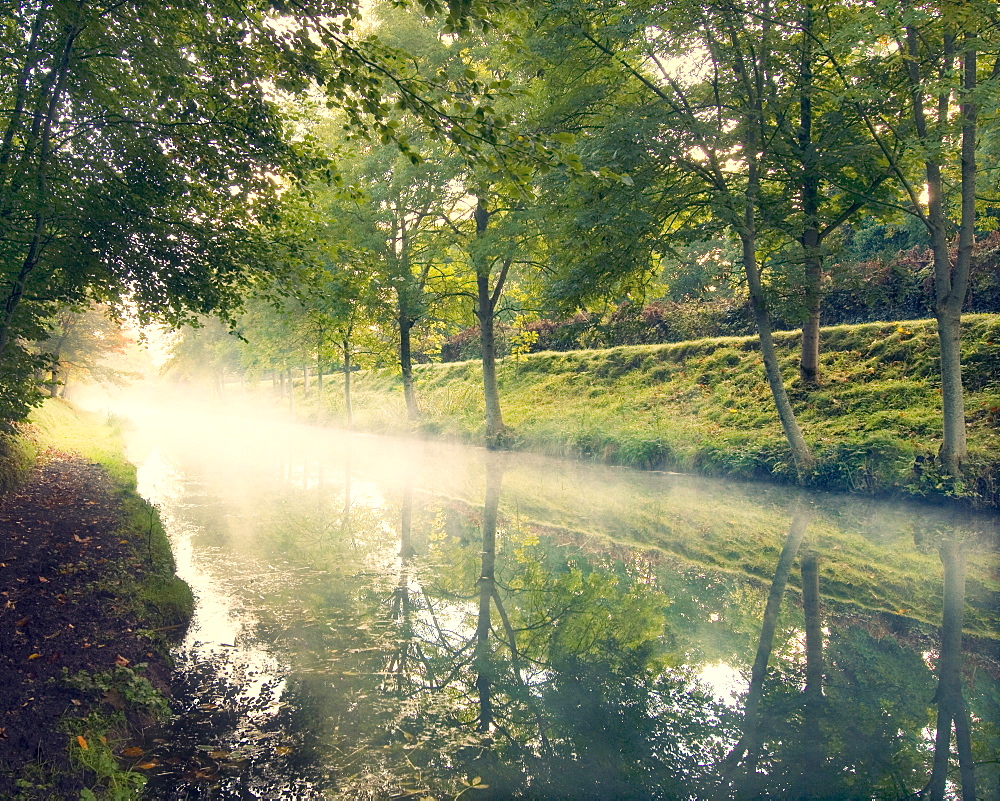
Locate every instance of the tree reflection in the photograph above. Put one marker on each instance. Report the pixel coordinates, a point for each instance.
(813, 700)
(557, 665)
(746, 752)
(950, 703)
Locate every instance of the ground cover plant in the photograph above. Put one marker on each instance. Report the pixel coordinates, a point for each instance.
(874, 421)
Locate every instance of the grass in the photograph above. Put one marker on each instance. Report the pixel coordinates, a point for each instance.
(704, 406)
(17, 454)
(160, 597)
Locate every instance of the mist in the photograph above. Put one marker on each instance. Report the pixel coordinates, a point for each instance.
(345, 580)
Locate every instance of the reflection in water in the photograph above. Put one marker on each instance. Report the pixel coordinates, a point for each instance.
(442, 622)
(950, 703)
(747, 750)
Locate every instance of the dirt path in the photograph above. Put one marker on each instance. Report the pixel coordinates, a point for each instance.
(62, 555)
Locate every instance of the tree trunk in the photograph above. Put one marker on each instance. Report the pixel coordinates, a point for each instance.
(747, 230)
(28, 68)
(487, 298)
(319, 366)
(772, 369)
(491, 393)
(348, 408)
(812, 261)
(406, 365)
(809, 354)
(813, 738)
(487, 587)
(345, 517)
(291, 392)
(950, 283)
(406, 549)
(41, 132)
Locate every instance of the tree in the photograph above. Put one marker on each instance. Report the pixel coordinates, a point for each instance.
(79, 346)
(713, 118)
(204, 354)
(828, 167)
(143, 150)
(936, 59)
(341, 300)
(396, 215)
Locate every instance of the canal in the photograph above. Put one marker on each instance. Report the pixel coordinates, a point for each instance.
(380, 618)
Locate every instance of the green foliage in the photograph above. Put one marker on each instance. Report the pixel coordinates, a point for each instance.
(81, 345)
(91, 751)
(128, 686)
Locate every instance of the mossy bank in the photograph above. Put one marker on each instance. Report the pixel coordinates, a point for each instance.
(90, 597)
(703, 406)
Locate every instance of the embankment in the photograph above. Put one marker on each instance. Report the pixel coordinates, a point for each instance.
(703, 406)
(89, 595)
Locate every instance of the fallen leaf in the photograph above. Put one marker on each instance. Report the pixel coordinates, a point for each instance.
(22, 622)
(148, 765)
(133, 751)
(43, 579)
(82, 742)
(218, 754)
(121, 661)
(78, 538)
(284, 750)
(34, 656)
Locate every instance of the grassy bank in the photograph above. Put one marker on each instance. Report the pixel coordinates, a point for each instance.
(704, 406)
(161, 599)
(97, 625)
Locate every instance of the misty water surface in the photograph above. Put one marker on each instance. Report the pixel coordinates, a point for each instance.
(389, 619)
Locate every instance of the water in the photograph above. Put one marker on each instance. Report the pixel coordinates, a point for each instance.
(385, 619)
